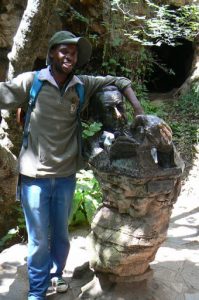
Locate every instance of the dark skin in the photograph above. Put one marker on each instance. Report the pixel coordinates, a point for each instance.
(64, 59)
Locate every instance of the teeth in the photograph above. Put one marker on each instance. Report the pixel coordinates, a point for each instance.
(67, 64)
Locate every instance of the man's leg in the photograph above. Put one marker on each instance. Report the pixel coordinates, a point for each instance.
(35, 197)
(59, 212)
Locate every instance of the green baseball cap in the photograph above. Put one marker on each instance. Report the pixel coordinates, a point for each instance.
(66, 37)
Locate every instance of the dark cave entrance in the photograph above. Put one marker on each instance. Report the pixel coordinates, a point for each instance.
(176, 58)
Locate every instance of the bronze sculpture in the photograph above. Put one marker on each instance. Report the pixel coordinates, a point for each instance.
(139, 171)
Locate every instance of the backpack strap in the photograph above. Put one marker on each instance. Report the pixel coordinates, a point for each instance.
(34, 91)
(80, 92)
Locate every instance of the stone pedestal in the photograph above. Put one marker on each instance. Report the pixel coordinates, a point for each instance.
(132, 223)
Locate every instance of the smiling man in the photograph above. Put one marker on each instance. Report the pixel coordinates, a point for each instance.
(52, 156)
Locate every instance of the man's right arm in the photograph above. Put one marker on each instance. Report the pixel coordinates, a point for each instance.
(15, 93)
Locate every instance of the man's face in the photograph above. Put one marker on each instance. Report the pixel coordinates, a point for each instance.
(64, 58)
(112, 115)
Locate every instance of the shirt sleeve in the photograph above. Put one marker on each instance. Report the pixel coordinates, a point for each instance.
(95, 83)
(15, 93)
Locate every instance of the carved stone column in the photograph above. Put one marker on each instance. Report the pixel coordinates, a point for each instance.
(138, 197)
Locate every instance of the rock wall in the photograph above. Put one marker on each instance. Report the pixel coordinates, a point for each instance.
(10, 17)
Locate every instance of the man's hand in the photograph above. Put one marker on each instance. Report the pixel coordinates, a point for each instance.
(166, 133)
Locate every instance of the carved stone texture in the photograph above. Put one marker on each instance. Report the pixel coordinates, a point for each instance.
(138, 196)
(132, 224)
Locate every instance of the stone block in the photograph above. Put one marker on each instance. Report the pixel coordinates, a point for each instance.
(156, 187)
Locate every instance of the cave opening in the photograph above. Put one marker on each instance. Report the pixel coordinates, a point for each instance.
(172, 67)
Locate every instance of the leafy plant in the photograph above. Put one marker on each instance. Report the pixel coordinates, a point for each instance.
(88, 194)
(188, 104)
(183, 118)
(187, 107)
(163, 23)
(89, 129)
(86, 200)
(153, 109)
(16, 234)
(8, 237)
(110, 66)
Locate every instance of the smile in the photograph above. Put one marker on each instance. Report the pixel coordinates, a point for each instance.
(67, 64)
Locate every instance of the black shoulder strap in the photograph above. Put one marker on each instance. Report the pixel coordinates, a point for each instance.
(34, 91)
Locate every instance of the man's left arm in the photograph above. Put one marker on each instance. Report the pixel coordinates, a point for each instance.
(94, 84)
(131, 97)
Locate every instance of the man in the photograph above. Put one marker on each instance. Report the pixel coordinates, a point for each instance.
(48, 164)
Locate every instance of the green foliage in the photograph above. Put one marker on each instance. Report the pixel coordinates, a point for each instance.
(20, 218)
(187, 125)
(16, 234)
(110, 66)
(164, 23)
(183, 119)
(8, 237)
(168, 25)
(186, 131)
(188, 104)
(90, 129)
(86, 200)
(131, 64)
(151, 108)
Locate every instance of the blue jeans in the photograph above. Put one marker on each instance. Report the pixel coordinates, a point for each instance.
(46, 204)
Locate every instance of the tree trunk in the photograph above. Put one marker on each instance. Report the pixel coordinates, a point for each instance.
(30, 34)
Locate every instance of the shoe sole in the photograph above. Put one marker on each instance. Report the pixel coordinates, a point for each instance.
(62, 289)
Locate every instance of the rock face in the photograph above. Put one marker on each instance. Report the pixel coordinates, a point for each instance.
(138, 197)
(8, 181)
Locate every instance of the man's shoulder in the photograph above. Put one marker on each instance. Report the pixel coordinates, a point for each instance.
(24, 79)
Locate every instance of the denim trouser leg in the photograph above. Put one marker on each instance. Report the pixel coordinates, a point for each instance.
(46, 203)
(60, 208)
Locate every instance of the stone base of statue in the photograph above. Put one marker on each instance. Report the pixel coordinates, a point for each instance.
(139, 191)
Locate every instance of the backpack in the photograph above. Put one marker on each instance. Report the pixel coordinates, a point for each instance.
(23, 119)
